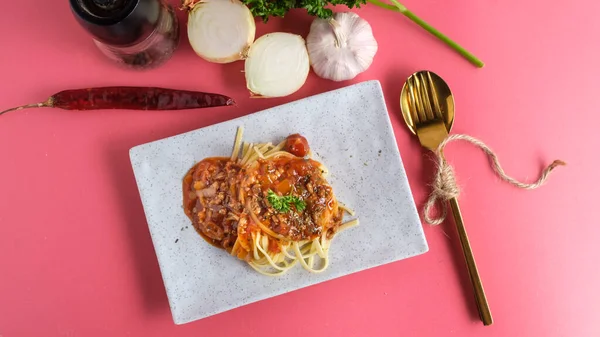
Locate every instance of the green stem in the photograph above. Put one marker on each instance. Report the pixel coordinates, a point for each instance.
(384, 5)
(398, 7)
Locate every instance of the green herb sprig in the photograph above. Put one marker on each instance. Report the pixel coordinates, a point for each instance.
(282, 203)
(278, 8)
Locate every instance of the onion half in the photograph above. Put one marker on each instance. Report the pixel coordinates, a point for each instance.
(220, 31)
(277, 65)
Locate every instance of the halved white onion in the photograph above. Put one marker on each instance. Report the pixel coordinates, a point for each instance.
(220, 31)
(277, 65)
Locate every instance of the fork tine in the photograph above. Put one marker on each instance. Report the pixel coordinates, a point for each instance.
(436, 104)
(419, 99)
(412, 102)
(417, 94)
(426, 97)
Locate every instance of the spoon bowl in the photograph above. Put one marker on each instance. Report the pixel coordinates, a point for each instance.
(440, 93)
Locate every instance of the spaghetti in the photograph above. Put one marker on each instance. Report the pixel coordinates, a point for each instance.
(269, 205)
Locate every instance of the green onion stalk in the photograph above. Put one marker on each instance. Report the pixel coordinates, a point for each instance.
(398, 7)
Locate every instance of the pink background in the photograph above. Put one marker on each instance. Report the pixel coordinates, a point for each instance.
(76, 257)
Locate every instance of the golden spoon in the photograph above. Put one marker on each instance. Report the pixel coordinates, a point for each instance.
(428, 110)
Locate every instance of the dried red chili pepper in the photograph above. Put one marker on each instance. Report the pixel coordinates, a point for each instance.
(130, 98)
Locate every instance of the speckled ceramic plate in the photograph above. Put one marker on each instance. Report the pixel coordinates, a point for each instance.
(349, 130)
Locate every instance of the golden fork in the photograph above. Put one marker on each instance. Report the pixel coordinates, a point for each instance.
(428, 110)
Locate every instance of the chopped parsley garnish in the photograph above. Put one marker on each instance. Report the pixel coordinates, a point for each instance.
(282, 203)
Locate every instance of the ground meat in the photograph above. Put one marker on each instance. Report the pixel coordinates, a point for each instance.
(215, 210)
(305, 182)
(212, 188)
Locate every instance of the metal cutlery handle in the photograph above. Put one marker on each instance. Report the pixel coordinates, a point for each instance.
(482, 304)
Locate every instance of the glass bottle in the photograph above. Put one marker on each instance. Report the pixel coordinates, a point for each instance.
(139, 34)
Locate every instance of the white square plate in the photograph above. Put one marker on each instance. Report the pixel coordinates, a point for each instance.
(348, 130)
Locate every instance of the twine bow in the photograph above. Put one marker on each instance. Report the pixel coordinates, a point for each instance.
(444, 182)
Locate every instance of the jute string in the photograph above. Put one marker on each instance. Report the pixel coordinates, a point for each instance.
(444, 182)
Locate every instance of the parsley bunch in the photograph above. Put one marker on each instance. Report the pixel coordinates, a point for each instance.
(268, 8)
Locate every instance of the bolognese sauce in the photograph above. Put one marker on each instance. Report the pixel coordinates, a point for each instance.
(210, 190)
(294, 177)
(259, 205)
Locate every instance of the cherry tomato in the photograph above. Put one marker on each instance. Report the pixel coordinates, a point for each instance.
(297, 145)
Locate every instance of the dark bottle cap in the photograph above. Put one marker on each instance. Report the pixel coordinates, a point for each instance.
(117, 22)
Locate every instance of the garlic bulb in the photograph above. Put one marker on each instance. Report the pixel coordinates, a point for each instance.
(341, 47)
(277, 65)
(220, 31)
